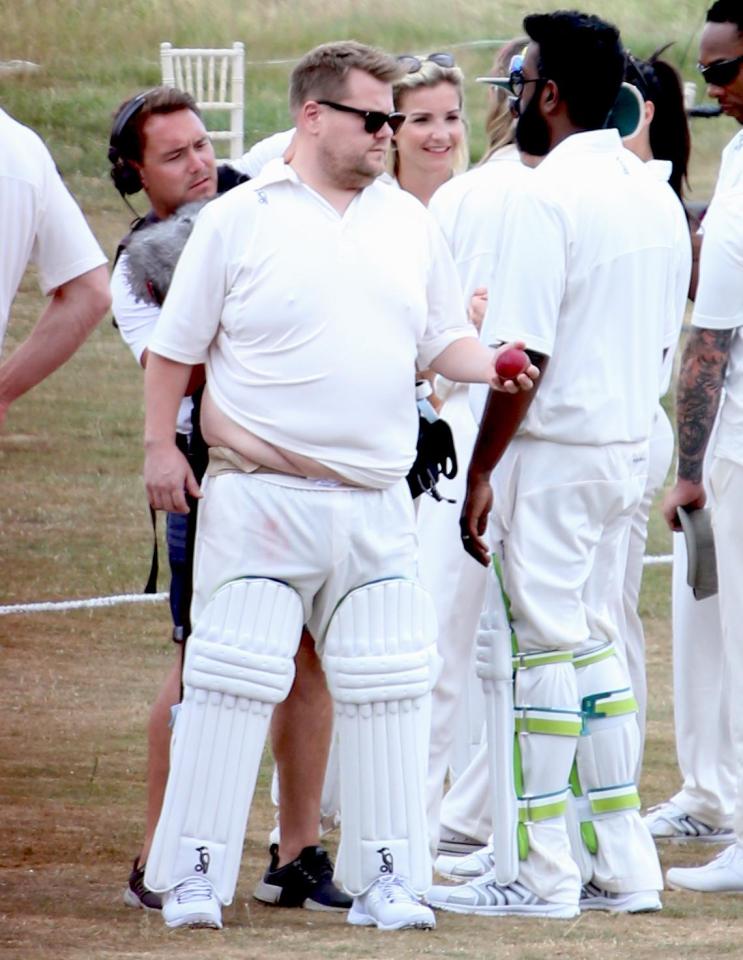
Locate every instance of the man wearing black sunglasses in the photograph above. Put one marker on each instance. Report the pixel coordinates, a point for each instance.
(587, 272)
(721, 56)
(711, 388)
(311, 307)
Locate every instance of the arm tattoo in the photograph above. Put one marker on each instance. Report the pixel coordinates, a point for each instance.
(700, 383)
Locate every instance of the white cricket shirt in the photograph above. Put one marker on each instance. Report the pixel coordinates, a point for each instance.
(719, 301)
(312, 324)
(39, 220)
(587, 274)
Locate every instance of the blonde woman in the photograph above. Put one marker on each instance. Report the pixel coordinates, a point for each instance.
(431, 145)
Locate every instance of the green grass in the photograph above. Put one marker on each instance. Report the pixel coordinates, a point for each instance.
(73, 520)
(92, 55)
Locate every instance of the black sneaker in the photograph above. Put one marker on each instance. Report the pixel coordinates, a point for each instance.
(137, 894)
(305, 882)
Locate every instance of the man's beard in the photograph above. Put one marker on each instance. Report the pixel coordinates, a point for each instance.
(350, 173)
(532, 131)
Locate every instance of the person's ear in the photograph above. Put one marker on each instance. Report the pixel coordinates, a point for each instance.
(310, 116)
(550, 96)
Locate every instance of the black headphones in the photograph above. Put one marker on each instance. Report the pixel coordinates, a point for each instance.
(124, 174)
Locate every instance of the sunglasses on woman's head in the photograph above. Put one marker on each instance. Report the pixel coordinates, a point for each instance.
(413, 64)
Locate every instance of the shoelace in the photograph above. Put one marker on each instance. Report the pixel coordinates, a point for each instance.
(394, 889)
(317, 867)
(193, 889)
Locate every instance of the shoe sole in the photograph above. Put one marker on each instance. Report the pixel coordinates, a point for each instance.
(364, 920)
(461, 877)
(556, 912)
(608, 907)
(131, 899)
(459, 847)
(270, 895)
(722, 841)
(195, 923)
(677, 886)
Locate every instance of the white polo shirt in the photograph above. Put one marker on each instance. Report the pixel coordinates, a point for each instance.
(587, 274)
(661, 170)
(312, 324)
(469, 209)
(39, 220)
(719, 301)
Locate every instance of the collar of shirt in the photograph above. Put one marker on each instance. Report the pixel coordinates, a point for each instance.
(660, 169)
(586, 142)
(277, 171)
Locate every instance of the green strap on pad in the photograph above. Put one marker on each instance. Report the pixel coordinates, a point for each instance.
(611, 703)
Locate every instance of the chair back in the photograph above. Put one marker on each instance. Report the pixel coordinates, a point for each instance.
(216, 80)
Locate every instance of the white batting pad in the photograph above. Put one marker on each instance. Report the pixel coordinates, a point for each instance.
(239, 664)
(494, 666)
(623, 853)
(381, 661)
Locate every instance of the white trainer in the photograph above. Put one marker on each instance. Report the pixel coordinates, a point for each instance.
(489, 898)
(666, 821)
(193, 903)
(640, 901)
(452, 841)
(390, 904)
(465, 868)
(724, 874)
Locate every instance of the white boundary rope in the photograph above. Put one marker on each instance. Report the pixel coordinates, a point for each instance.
(57, 605)
(114, 601)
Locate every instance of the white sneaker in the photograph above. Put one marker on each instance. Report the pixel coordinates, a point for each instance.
(666, 821)
(640, 901)
(452, 841)
(390, 904)
(193, 903)
(489, 898)
(465, 868)
(724, 874)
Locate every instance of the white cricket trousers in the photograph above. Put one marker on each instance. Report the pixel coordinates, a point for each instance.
(456, 583)
(564, 511)
(726, 484)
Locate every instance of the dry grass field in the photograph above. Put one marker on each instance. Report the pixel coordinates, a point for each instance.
(75, 686)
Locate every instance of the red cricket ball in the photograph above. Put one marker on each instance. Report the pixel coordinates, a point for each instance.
(511, 363)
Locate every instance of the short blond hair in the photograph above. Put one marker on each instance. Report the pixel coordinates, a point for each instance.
(322, 73)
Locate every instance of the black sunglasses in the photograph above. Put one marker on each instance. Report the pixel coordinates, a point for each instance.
(517, 81)
(721, 72)
(413, 64)
(374, 120)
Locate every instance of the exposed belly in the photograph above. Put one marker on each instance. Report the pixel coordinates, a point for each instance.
(219, 430)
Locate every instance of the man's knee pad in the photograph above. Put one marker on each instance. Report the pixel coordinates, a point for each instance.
(532, 729)
(239, 664)
(547, 727)
(603, 778)
(380, 660)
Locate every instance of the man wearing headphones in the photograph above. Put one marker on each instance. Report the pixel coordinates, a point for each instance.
(40, 222)
(159, 145)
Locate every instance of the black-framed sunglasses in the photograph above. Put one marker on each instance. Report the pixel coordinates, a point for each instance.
(517, 81)
(413, 64)
(374, 120)
(721, 72)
